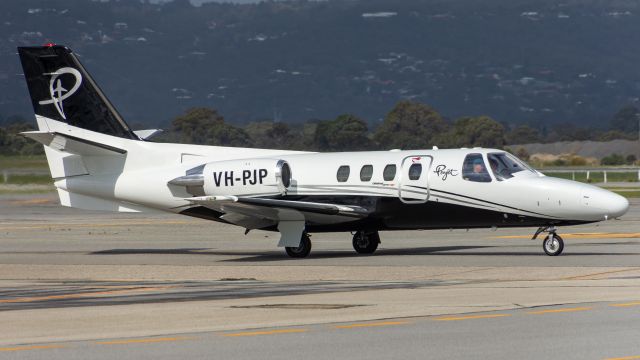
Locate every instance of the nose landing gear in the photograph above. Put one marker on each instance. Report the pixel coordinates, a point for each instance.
(552, 243)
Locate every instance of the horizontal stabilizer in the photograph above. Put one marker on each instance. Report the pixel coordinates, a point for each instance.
(80, 201)
(72, 144)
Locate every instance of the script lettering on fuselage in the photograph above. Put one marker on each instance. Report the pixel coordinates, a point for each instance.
(246, 177)
(443, 172)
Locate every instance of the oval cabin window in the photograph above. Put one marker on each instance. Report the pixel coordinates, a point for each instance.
(343, 173)
(366, 173)
(389, 172)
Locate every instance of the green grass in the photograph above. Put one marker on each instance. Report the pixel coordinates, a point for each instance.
(597, 176)
(26, 190)
(24, 179)
(628, 194)
(23, 162)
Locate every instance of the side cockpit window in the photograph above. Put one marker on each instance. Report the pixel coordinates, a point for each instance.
(474, 169)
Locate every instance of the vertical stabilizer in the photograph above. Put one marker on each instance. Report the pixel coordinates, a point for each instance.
(62, 90)
(82, 133)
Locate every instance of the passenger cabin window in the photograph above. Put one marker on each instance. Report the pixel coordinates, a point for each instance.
(343, 173)
(414, 171)
(474, 169)
(366, 173)
(504, 166)
(389, 172)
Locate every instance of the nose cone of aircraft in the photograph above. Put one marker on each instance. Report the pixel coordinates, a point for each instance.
(608, 204)
(617, 205)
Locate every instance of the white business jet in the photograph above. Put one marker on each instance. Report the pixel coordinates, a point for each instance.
(98, 163)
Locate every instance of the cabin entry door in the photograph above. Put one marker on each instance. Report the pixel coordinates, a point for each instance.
(413, 184)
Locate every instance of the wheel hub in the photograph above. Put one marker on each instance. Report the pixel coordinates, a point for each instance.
(363, 242)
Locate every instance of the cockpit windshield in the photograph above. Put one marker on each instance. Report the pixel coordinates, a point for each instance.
(504, 165)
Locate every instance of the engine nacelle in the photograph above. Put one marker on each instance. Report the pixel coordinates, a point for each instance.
(245, 177)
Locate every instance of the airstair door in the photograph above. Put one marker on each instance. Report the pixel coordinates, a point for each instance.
(413, 184)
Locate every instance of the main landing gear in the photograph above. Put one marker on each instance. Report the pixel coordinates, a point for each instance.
(366, 242)
(552, 243)
(303, 249)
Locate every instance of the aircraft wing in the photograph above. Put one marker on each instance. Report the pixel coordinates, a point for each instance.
(254, 213)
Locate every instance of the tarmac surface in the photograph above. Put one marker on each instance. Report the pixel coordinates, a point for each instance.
(79, 284)
(551, 333)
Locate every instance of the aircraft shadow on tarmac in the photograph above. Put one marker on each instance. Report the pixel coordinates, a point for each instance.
(324, 254)
(279, 255)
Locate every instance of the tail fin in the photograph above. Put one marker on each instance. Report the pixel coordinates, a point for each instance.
(62, 90)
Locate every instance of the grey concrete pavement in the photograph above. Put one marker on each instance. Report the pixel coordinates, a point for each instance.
(35, 230)
(584, 331)
(68, 275)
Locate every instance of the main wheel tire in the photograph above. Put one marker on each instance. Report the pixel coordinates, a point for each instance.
(301, 251)
(553, 245)
(366, 242)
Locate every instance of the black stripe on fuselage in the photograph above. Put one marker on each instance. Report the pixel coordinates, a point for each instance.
(389, 213)
(333, 187)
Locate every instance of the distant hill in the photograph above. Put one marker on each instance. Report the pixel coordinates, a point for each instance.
(528, 61)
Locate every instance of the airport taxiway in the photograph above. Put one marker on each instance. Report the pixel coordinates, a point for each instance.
(562, 332)
(70, 279)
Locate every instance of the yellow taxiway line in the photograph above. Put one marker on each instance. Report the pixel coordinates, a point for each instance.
(79, 295)
(471, 317)
(141, 341)
(266, 332)
(376, 324)
(580, 236)
(629, 304)
(553, 311)
(31, 347)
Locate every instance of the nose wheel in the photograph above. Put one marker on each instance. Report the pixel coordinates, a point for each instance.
(366, 242)
(552, 243)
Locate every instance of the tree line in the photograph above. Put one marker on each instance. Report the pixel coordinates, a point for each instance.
(409, 125)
